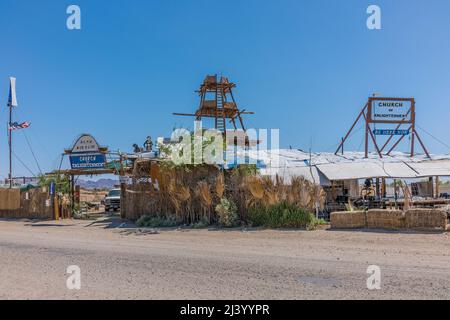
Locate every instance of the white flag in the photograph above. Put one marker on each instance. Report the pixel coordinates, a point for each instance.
(12, 100)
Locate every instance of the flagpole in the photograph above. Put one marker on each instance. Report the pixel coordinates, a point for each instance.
(10, 146)
(12, 102)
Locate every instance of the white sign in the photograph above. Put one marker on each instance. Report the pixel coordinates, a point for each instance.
(391, 110)
(85, 144)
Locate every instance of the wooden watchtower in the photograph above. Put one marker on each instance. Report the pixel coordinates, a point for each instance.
(217, 101)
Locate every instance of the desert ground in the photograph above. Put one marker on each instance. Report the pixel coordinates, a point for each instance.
(119, 261)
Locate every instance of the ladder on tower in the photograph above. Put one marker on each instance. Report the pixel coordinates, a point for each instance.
(220, 115)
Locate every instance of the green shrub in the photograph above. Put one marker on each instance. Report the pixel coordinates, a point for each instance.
(156, 222)
(227, 213)
(202, 224)
(282, 215)
(315, 223)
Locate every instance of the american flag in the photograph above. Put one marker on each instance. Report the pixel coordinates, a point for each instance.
(18, 126)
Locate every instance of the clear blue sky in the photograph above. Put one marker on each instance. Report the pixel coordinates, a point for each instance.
(305, 67)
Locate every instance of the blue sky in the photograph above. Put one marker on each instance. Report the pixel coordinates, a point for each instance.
(305, 67)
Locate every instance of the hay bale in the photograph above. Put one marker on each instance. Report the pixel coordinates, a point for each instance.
(385, 219)
(426, 219)
(348, 220)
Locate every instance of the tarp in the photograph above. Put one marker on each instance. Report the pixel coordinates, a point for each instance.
(399, 170)
(351, 165)
(431, 168)
(287, 173)
(350, 171)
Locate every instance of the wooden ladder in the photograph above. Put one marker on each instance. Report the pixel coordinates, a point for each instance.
(220, 116)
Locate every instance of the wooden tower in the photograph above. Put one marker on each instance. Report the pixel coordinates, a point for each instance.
(217, 102)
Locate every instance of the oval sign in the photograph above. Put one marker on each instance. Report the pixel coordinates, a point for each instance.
(86, 143)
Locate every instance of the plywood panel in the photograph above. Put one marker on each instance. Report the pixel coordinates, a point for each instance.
(9, 199)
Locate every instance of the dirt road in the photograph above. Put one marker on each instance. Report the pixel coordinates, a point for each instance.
(121, 263)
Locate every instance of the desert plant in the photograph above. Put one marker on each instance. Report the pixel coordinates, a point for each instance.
(256, 190)
(227, 213)
(407, 196)
(220, 186)
(156, 222)
(317, 198)
(271, 195)
(202, 224)
(315, 223)
(205, 197)
(281, 215)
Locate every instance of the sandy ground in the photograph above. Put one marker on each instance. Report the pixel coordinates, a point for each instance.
(121, 263)
(92, 195)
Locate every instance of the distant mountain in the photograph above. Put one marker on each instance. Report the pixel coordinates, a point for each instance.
(100, 184)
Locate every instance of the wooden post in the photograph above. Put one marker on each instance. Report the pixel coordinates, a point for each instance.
(438, 191)
(413, 127)
(123, 191)
(72, 196)
(431, 187)
(395, 192)
(383, 187)
(56, 206)
(377, 182)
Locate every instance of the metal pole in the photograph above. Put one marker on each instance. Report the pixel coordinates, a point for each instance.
(366, 149)
(10, 146)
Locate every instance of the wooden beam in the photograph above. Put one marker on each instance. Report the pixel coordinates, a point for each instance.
(185, 114)
(397, 143)
(351, 129)
(422, 144)
(390, 138)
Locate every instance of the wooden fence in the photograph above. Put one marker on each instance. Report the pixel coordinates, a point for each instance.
(32, 204)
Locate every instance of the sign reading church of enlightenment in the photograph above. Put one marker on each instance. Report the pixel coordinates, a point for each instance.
(390, 111)
(86, 153)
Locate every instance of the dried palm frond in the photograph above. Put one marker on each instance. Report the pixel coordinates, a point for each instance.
(317, 197)
(184, 194)
(407, 196)
(283, 192)
(305, 194)
(204, 193)
(220, 186)
(205, 197)
(270, 191)
(255, 186)
(293, 194)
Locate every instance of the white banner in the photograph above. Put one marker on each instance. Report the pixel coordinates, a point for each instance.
(12, 100)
